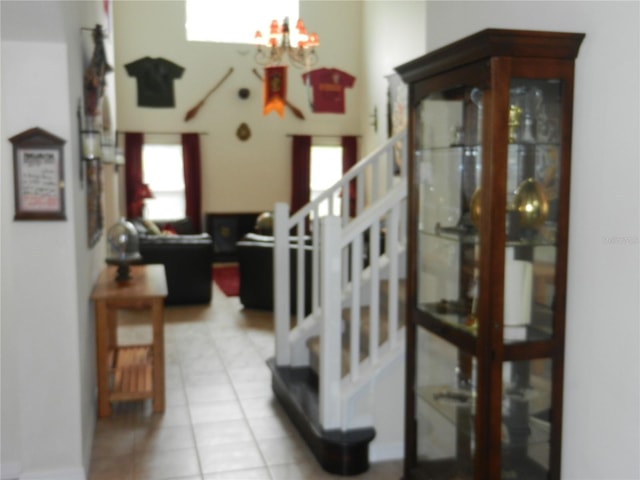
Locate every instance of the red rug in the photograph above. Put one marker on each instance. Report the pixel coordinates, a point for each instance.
(227, 278)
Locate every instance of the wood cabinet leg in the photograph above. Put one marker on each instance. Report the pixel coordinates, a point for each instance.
(157, 318)
(102, 358)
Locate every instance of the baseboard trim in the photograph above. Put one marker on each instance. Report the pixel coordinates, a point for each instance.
(9, 471)
(62, 474)
(386, 452)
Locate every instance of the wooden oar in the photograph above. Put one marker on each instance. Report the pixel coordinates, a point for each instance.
(192, 113)
(296, 111)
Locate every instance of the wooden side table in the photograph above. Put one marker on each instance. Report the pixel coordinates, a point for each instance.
(132, 372)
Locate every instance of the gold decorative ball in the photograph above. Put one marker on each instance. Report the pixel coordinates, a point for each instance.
(474, 208)
(531, 203)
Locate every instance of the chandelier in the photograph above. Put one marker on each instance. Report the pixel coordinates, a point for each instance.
(298, 45)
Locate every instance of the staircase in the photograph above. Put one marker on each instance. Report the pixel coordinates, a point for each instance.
(339, 370)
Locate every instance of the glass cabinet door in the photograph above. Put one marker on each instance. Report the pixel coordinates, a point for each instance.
(448, 164)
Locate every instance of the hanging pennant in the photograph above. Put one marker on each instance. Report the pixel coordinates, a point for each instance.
(275, 89)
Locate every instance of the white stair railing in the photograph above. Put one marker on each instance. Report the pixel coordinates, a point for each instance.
(338, 272)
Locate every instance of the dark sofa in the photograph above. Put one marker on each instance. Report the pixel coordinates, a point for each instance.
(187, 258)
(255, 263)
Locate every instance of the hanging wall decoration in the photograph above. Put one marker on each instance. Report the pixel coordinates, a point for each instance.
(94, 201)
(155, 77)
(94, 75)
(38, 175)
(243, 132)
(194, 111)
(397, 113)
(327, 86)
(275, 89)
(295, 110)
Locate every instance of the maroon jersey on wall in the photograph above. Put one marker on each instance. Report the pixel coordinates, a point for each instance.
(328, 89)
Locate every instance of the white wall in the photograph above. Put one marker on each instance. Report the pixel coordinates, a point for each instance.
(601, 412)
(48, 370)
(238, 176)
(394, 32)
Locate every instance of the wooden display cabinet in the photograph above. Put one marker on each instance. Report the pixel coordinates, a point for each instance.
(490, 136)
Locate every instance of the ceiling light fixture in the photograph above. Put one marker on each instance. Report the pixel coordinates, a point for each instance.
(297, 45)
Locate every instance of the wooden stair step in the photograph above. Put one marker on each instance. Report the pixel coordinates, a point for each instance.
(313, 344)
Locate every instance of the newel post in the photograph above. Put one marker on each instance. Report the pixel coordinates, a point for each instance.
(281, 279)
(330, 329)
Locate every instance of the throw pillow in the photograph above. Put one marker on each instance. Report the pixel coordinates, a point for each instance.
(152, 228)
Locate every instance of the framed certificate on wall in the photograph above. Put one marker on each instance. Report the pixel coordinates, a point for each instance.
(38, 171)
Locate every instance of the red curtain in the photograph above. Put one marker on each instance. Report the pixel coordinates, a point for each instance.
(192, 178)
(300, 171)
(349, 159)
(133, 172)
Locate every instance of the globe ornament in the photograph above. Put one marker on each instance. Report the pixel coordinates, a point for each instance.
(123, 248)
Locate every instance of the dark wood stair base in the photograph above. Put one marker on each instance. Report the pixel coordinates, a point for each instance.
(338, 452)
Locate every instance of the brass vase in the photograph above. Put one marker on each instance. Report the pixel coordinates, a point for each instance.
(531, 204)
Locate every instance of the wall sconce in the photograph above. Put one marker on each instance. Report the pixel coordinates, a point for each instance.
(91, 144)
(90, 141)
(110, 152)
(374, 119)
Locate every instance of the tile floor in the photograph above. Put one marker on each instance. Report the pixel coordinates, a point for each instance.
(221, 420)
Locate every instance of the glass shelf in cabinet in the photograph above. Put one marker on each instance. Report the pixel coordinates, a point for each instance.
(454, 313)
(457, 406)
(465, 236)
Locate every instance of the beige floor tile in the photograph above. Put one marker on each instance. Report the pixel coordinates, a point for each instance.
(112, 440)
(111, 468)
(259, 373)
(166, 465)
(162, 439)
(252, 389)
(266, 406)
(205, 379)
(215, 412)
(285, 450)
(230, 457)
(210, 393)
(175, 397)
(173, 416)
(294, 471)
(268, 428)
(224, 432)
(251, 474)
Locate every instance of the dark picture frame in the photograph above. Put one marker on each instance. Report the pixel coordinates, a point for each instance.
(38, 172)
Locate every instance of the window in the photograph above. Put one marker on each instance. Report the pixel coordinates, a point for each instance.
(326, 170)
(163, 171)
(235, 22)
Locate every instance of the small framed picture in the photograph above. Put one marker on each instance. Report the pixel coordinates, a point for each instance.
(38, 173)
